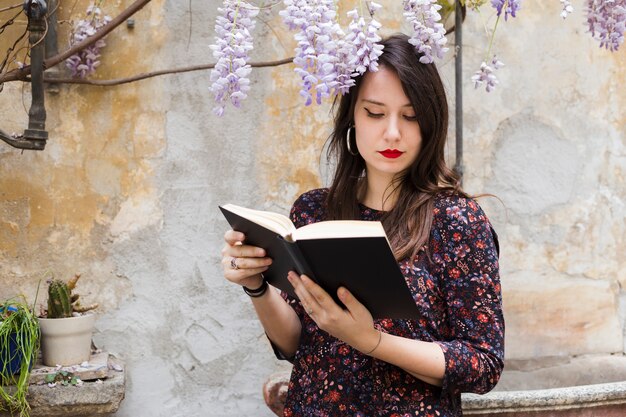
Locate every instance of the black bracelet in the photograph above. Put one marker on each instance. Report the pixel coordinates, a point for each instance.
(258, 291)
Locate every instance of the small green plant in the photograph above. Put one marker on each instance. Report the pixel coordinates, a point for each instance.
(19, 345)
(62, 301)
(64, 378)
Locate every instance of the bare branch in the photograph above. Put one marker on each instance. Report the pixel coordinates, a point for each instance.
(15, 6)
(143, 76)
(7, 60)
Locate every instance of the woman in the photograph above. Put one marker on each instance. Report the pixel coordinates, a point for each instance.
(389, 138)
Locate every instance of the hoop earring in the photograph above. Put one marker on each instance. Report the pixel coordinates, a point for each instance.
(348, 143)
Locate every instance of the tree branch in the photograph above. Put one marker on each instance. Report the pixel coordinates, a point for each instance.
(143, 76)
(22, 73)
(15, 6)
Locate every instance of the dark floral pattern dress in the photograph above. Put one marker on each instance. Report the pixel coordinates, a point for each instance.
(458, 293)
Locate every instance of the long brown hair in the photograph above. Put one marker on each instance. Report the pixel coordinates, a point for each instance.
(408, 223)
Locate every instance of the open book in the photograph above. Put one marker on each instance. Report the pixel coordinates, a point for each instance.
(351, 253)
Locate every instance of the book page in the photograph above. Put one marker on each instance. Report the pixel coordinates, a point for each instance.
(273, 221)
(339, 229)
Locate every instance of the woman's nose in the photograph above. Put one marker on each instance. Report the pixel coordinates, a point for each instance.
(392, 131)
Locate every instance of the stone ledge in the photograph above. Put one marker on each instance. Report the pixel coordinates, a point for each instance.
(97, 398)
(553, 399)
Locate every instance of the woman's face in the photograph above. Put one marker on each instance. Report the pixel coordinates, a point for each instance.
(388, 136)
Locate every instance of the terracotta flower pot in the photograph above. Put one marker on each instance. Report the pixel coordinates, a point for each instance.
(66, 341)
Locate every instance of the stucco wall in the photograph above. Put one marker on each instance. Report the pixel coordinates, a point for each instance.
(127, 190)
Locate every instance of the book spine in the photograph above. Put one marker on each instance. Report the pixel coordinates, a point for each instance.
(302, 267)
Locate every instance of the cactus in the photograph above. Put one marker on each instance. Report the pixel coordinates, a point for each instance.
(59, 304)
(62, 302)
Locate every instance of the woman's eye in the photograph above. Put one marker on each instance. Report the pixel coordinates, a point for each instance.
(411, 118)
(372, 114)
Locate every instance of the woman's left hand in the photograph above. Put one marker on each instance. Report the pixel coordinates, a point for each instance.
(353, 325)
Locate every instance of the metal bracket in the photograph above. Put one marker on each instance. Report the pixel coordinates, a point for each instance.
(35, 136)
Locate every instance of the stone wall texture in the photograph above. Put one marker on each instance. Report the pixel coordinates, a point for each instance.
(127, 190)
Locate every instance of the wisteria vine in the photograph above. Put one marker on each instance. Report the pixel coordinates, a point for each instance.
(429, 35)
(607, 22)
(316, 35)
(485, 74)
(327, 58)
(233, 42)
(85, 62)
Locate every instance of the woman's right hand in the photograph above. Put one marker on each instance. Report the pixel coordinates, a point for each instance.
(243, 264)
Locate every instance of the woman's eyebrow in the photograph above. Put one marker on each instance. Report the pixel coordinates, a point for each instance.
(378, 103)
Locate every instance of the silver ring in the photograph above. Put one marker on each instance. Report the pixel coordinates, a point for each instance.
(309, 311)
(233, 264)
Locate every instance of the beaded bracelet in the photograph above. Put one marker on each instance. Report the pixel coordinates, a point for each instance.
(257, 292)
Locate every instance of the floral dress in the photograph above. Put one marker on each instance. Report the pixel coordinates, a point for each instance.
(458, 293)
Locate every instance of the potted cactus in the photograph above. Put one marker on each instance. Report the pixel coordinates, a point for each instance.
(66, 326)
(19, 343)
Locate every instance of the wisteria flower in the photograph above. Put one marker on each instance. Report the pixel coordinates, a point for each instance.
(317, 45)
(510, 7)
(365, 38)
(85, 62)
(486, 74)
(428, 31)
(233, 42)
(607, 22)
(326, 48)
(296, 16)
(567, 8)
(344, 67)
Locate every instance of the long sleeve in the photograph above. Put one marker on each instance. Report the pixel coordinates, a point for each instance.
(467, 254)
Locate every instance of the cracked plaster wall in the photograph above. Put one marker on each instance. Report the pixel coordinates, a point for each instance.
(127, 190)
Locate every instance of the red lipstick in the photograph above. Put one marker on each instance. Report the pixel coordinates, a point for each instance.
(391, 153)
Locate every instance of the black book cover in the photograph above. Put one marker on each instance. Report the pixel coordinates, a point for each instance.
(276, 248)
(364, 265)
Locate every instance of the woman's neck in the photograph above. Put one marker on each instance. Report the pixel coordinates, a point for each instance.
(378, 193)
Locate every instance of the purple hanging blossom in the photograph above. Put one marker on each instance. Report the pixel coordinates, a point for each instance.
(85, 62)
(510, 7)
(356, 53)
(365, 39)
(607, 22)
(428, 31)
(326, 59)
(326, 48)
(233, 42)
(486, 74)
(567, 8)
(344, 67)
(316, 57)
(296, 16)
(296, 13)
